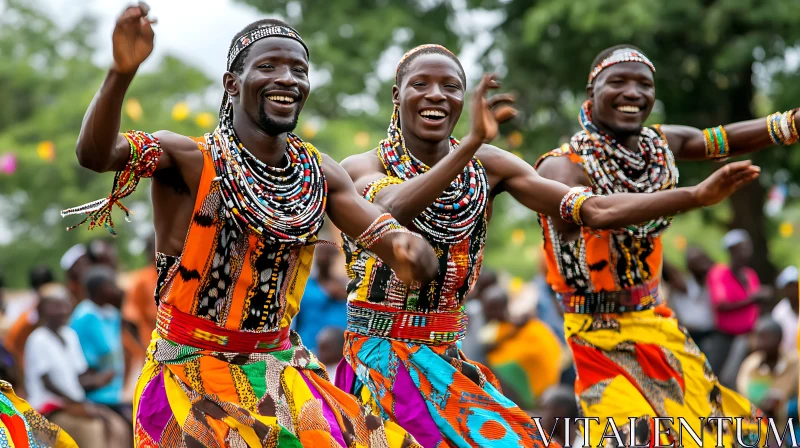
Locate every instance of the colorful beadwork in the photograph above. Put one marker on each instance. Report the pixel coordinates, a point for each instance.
(382, 226)
(782, 129)
(453, 215)
(143, 161)
(716, 141)
(638, 298)
(374, 320)
(613, 168)
(618, 56)
(572, 202)
(285, 205)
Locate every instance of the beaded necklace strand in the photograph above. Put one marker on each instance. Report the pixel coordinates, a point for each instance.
(456, 211)
(613, 168)
(284, 205)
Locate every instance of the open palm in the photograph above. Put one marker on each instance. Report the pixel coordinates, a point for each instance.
(725, 181)
(487, 114)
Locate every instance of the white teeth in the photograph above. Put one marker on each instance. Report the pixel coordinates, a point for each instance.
(432, 113)
(283, 99)
(628, 109)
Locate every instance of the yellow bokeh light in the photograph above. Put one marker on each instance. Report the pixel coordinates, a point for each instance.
(518, 236)
(786, 229)
(680, 242)
(46, 151)
(515, 139)
(133, 109)
(180, 112)
(361, 139)
(204, 120)
(309, 131)
(515, 286)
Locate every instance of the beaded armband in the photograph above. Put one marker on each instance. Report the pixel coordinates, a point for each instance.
(782, 129)
(572, 202)
(374, 188)
(716, 141)
(382, 226)
(145, 154)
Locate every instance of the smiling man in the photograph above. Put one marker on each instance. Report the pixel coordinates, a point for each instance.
(237, 213)
(632, 358)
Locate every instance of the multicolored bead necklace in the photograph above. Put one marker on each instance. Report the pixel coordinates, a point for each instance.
(613, 168)
(453, 215)
(285, 205)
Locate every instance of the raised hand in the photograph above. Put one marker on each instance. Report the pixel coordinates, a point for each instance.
(132, 38)
(725, 181)
(487, 114)
(415, 260)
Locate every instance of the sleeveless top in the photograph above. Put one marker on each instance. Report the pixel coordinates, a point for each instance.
(598, 260)
(373, 281)
(229, 276)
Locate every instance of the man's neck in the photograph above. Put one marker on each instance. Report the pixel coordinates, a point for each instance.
(630, 141)
(269, 149)
(427, 152)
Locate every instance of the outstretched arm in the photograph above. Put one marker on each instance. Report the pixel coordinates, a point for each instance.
(410, 257)
(407, 200)
(688, 143)
(617, 210)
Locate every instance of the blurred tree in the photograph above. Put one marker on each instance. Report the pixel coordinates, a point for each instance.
(47, 80)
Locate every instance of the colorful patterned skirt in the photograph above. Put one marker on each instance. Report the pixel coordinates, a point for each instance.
(195, 398)
(643, 364)
(22, 427)
(440, 397)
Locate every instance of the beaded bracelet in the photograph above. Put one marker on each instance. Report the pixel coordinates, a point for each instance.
(572, 202)
(382, 226)
(142, 162)
(375, 187)
(716, 142)
(782, 129)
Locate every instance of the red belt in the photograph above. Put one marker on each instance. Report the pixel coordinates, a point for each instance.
(185, 329)
(371, 319)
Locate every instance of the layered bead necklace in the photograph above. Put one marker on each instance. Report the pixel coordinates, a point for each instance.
(613, 168)
(284, 205)
(455, 213)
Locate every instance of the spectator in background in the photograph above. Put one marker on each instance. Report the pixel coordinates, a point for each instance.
(28, 320)
(690, 300)
(330, 349)
(786, 311)
(556, 406)
(768, 377)
(57, 378)
(139, 307)
(523, 353)
(548, 309)
(471, 345)
(736, 294)
(324, 302)
(74, 263)
(98, 324)
(103, 252)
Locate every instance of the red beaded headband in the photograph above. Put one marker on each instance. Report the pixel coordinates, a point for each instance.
(618, 56)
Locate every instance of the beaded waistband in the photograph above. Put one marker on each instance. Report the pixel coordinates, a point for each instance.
(385, 322)
(638, 298)
(185, 329)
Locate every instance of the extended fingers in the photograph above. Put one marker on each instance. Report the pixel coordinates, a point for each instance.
(501, 98)
(504, 113)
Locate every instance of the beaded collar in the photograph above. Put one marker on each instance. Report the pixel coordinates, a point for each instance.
(613, 168)
(453, 216)
(284, 205)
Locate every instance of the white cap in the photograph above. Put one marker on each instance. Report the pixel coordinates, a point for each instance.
(786, 276)
(735, 237)
(71, 256)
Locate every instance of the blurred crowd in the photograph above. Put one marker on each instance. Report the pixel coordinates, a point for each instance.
(73, 348)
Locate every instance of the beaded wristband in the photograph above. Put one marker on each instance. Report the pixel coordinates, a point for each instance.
(374, 188)
(716, 142)
(382, 226)
(572, 202)
(142, 162)
(782, 129)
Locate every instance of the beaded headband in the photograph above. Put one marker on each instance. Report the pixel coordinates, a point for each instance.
(417, 50)
(618, 56)
(257, 34)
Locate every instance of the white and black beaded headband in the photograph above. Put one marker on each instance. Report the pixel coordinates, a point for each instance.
(257, 34)
(619, 56)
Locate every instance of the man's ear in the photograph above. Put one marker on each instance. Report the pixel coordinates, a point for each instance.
(230, 82)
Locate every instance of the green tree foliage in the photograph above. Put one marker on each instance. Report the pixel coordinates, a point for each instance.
(47, 80)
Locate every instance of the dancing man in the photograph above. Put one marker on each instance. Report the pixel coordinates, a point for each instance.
(237, 214)
(631, 357)
(401, 353)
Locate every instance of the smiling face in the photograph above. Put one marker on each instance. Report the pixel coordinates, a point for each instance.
(273, 85)
(431, 97)
(623, 96)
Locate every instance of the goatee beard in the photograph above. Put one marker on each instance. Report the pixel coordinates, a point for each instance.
(272, 127)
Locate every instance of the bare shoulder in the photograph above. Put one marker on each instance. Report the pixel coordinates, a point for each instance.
(562, 169)
(359, 165)
(173, 142)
